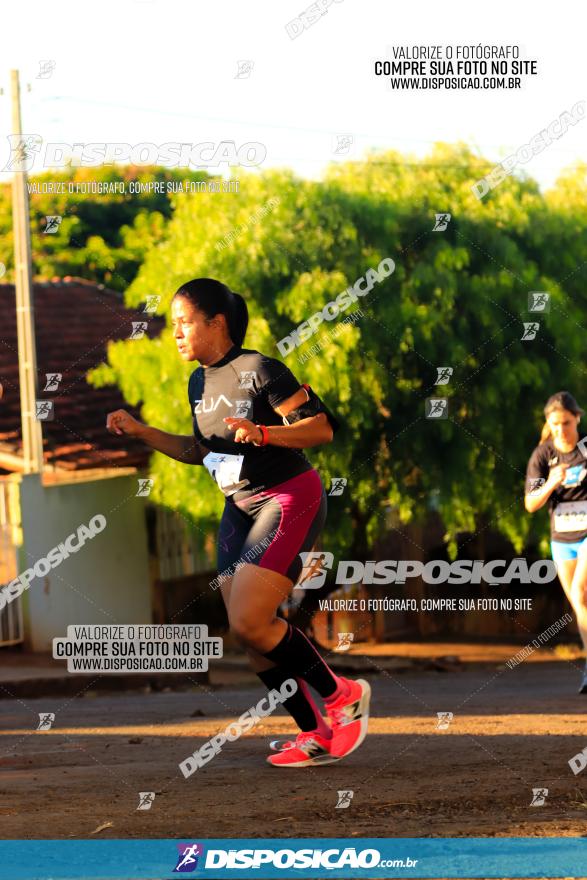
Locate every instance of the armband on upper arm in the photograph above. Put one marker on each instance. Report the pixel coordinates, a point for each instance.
(312, 407)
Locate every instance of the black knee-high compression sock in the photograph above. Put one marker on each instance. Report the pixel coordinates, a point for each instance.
(297, 656)
(300, 705)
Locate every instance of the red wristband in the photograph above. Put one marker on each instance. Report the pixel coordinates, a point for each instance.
(264, 434)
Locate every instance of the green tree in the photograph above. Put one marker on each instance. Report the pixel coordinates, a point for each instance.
(457, 298)
(102, 237)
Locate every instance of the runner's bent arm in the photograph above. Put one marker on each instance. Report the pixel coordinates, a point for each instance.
(533, 501)
(313, 431)
(536, 500)
(305, 433)
(181, 447)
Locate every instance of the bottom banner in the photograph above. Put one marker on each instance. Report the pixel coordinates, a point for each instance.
(505, 857)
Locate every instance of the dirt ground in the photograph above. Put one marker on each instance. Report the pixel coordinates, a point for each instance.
(512, 730)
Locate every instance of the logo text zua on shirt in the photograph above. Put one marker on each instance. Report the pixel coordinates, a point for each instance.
(211, 404)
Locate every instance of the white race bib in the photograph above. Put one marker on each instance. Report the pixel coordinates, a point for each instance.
(225, 469)
(570, 516)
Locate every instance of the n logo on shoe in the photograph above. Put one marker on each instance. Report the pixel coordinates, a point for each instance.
(352, 712)
(313, 749)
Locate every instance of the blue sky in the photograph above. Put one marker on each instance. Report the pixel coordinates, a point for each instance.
(162, 70)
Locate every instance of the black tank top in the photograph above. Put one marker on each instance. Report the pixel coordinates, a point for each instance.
(243, 384)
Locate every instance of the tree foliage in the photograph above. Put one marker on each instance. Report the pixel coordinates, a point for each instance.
(102, 237)
(458, 298)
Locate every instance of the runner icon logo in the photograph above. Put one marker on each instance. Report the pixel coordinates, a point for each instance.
(151, 304)
(314, 570)
(531, 328)
(53, 380)
(145, 486)
(146, 799)
(44, 410)
(242, 409)
(46, 720)
(52, 224)
(139, 329)
(437, 408)
(23, 148)
(46, 68)
(343, 143)
(187, 860)
(444, 374)
(247, 379)
(344, 641)
(536, 484)
(444, 720)
(539, 796)
(538, 301)
(344, 799)
(441, 222)
(244, 69)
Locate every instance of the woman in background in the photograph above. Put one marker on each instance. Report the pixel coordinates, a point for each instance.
(556, 475)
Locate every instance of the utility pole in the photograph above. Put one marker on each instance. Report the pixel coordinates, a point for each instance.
(32, 436)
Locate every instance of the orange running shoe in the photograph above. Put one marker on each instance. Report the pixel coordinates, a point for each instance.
(308, 748)
(349, 717)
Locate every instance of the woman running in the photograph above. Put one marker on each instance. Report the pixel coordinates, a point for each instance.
(252, 419)
(556, 474)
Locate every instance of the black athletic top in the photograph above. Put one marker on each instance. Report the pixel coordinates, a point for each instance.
(243, 384)
(567, 504)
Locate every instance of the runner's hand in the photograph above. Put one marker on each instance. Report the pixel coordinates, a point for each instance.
(557, 475)
(246, 431)
(121, 422)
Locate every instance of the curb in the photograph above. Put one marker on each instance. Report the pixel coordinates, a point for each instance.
(74, 684)
(57, 686)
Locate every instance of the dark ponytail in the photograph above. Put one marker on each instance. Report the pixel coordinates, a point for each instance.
(214, 298)
(239, 320)
(560, 401)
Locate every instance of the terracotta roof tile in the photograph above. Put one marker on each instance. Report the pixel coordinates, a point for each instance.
(74, 320)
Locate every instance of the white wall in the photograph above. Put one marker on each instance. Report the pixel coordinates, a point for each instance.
(107, 580)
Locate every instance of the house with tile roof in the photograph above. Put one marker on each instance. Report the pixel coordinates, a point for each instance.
(116, 576)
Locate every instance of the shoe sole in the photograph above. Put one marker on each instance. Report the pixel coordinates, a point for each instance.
(364, 706)
(322, 759)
